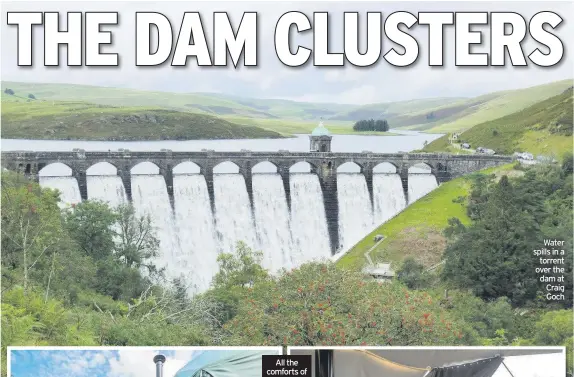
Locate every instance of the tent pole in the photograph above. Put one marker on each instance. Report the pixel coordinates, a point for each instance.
(512, 375)
(159, 360)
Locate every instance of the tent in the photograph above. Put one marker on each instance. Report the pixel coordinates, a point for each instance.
(226, 363)
(436, 362)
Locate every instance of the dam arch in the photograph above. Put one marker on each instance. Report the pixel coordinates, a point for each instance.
(226, 167)
(145, 168)
(323, 165)
(385, 168)
(102, 168)
(349, 167)
(264, 167)
(186, 167)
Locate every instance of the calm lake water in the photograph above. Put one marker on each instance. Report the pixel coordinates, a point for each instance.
(405, 142)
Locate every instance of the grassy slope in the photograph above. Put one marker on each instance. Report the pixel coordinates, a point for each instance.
(84, 121)
(525, 130)
(465, 113)
(417, 231)
(448, 114)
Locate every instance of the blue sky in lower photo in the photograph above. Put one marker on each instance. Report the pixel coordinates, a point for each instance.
(96, 363)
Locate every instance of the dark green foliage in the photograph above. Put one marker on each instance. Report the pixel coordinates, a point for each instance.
(237, 273)
(494, 256)
(9, 91)
(413, 274)
(78, 280)
(31, 96)
(90, 225)
(371, 125)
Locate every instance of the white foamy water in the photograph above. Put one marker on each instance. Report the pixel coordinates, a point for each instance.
(191, 236)
(233, 218)
(107, 188)
(308, 223)
(272, 222)
(420, 185)
(196, 230)
(149, 195)
(355, 211)
(388, 197)
(68, 188)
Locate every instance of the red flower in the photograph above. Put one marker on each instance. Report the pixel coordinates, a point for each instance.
(426, 315)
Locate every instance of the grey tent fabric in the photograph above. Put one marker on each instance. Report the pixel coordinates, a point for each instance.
(417, 362)
(225, 363)
(479, 368)
(423, 358)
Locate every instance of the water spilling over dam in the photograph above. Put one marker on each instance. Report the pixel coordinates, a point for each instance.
(290, 215)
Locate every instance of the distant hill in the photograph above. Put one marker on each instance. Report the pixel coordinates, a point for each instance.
(439, 115)
(543, 128)
(26, 118)
(464, 114)
(204, 103)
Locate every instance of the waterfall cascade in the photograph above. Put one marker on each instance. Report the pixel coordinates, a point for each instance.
(68, 187)
(191, 235)
(420, 185)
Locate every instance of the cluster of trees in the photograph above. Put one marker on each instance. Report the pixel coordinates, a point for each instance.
(371, 125)
(83, 276)
(12, 93)
(494, 255)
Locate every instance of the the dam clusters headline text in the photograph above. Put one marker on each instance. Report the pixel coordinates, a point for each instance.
(366, 39)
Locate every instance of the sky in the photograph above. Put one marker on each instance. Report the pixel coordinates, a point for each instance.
(96, 363)
(271, 79)
(138, 362)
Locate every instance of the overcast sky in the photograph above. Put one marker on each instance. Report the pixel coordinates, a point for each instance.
(379, 83)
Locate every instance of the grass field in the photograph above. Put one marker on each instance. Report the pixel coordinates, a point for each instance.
(543, 128)
(85, 121)
(417, 231)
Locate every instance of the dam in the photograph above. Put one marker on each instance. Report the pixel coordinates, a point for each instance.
(292, 216)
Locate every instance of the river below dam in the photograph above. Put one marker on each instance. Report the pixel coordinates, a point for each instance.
(192, 233)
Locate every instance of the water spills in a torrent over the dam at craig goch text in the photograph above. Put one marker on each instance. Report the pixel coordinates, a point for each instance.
(191, 235)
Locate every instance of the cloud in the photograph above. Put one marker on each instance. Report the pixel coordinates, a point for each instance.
(130, 363)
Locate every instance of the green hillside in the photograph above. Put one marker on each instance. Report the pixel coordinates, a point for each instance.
(417, 231)
(432, 115)
(85, 121)
(543, 128)
(206, 103)
(464, 115)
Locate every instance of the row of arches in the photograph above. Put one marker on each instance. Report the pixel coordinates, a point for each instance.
(188, 167)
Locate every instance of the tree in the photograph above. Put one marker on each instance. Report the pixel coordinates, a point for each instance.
(136, 241)
(493, 257)
(320, 304)
(90, 223)
(31, 96)
(237, 273)
(413, 274)
(371, 125)
(32, 231)
(9, 91)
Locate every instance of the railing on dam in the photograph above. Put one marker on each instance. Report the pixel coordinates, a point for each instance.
(443, 166)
